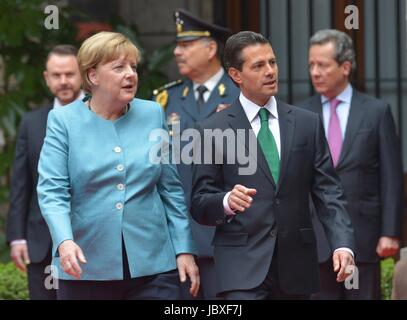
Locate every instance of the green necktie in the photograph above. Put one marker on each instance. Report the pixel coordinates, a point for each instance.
(268, 144)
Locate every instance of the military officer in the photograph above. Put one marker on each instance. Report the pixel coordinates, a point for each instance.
(204, 90)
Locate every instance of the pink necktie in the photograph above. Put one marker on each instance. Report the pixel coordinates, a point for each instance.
(334, 133)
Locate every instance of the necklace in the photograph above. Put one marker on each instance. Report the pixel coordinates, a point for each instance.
(126, 108)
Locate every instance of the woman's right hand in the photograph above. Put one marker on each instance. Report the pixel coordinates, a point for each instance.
(70, 253)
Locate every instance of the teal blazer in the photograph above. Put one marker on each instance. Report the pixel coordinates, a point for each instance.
(97, 185)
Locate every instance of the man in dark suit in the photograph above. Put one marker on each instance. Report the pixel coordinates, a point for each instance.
(205, 90)
(27, 231)
(366, 154)
(264, 242)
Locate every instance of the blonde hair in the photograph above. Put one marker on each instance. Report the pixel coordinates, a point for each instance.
(101, 48)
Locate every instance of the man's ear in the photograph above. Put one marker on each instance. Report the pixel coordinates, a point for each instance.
(235, 75)
(45, 74)
(92, 76)
(347, 68)
(213, 47)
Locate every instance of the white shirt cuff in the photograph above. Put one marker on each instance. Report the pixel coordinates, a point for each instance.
(226, 208)
(346, 249)
(19, 241)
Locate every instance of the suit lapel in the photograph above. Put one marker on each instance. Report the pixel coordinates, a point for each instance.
(238, 120)
(355, 118)
(40, 129)
(45, 116)
(287, 126)
(42, 125)
(316, 106)
(188, 101)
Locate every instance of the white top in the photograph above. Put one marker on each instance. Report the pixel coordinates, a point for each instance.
(210, 84)
(252, 113)
(58, 104)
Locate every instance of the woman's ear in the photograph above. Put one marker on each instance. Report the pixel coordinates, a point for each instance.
(92, 76)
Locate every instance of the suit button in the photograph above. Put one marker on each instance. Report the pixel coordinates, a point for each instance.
(117, 149)
(120, 186)
(273, 232)
(119, 206)
(120, 167)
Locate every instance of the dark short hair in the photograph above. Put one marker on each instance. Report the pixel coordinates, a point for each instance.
(62, 50)
(235, 45)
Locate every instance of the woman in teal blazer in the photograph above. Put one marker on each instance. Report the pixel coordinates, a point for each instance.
(117, 219)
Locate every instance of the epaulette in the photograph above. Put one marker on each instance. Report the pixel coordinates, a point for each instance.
(167, 86)
(161, 94)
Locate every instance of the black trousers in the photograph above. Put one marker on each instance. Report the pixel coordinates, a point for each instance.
(38, 279)
(207, 289)
(162, 286)
(369, 283)
(269, 289)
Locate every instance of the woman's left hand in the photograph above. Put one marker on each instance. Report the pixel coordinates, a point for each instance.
(187, 266)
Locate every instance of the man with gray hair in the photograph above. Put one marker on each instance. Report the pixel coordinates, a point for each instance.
(366, 154)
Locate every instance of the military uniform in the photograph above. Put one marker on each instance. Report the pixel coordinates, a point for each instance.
(178, 100)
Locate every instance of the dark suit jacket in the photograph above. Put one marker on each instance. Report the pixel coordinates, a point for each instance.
(24, 218)
(244, 246)
(182, 102)
(371, 173)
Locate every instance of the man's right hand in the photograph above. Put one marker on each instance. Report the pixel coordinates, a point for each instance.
(70, 253)
(240, 198)
(19, 255)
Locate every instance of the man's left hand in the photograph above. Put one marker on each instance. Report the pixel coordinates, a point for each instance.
(343, 264)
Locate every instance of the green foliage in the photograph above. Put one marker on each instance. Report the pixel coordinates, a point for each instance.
(4, 249)
(387, 268)
(13, 283)
(24, 44)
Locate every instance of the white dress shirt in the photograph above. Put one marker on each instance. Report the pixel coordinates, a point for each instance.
(210, 84)
(58, 104)
(252, 113)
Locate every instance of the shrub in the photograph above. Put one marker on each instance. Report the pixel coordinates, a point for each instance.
(387, 268)
(13, 283)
